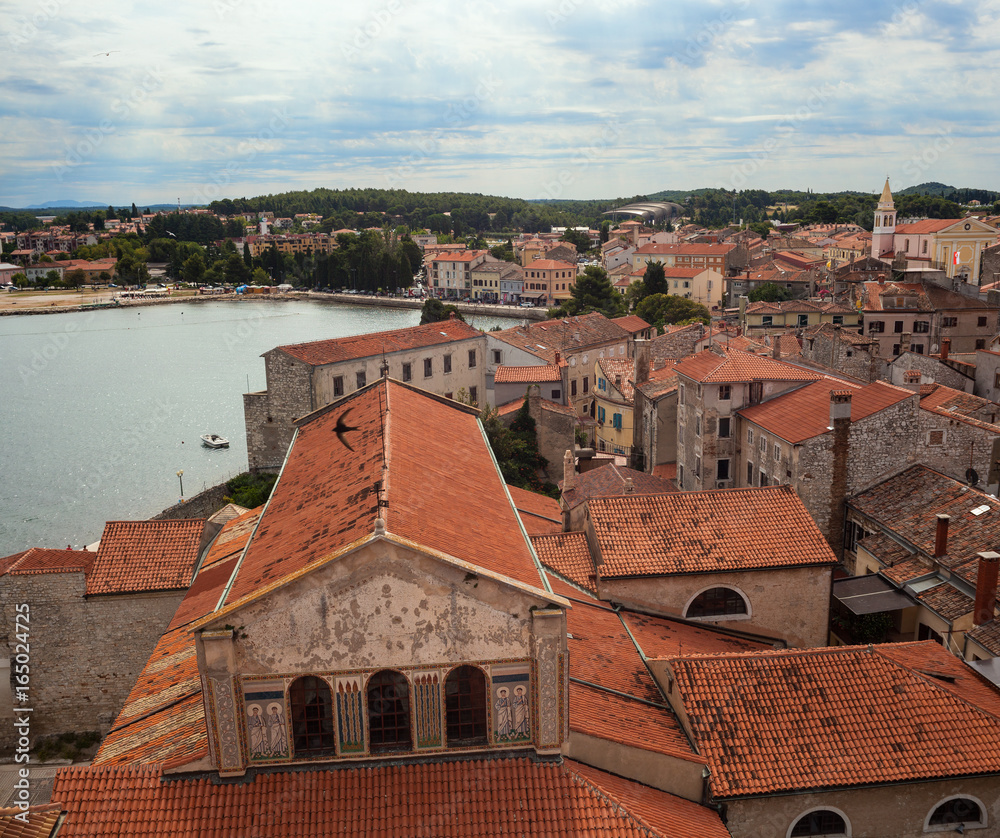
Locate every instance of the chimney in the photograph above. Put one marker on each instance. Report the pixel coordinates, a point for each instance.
(557, 358)
(941, 536)
(641, 362)
(569, 472)
(629, 489)
(776, 347)
(945, 348)
(986, 588)
(840, 406)
(904, 342)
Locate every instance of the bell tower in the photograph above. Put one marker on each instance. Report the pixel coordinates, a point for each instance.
(885, 224)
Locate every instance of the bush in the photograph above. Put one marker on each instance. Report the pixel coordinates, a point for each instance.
(250, 490)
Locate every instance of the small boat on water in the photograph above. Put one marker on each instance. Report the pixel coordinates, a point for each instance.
(215, 441)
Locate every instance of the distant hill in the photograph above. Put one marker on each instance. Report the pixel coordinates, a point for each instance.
(66, 203)
(929, 188)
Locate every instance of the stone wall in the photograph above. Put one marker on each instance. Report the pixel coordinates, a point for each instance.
(203, 505)
(931, 369)
(792, 604)
(86, 653)
(831, 351)
(675, 345)
(952, 445)
(269, 415)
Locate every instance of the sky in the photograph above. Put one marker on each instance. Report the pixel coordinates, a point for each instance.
(194, 101)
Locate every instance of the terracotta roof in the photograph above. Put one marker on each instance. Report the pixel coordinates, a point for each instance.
(568, 335)
(705, 532)
(682, 273)
(568, 555)
(40, 560)
(460, 256)
(804, 413)
(40, 821)
(146, 556)
(619, 373)
(528, 375)
(325, 498)
(632, 323)
(723, 367)
(233, 537)
(946, 601)
(987, 635)
(462, 798)
(687, 249)
(550, 265)
(927, 225)
(956, 404)
(610, 480)
(674, 816)
(321, 352)
(844, 716)
(907, 506)
(538, 513)
(662, 637)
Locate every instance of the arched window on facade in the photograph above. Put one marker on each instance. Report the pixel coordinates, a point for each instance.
(958, 810)
(717, 602)
(389, 712)
(312, 716)
(465, 706)
(823, 823)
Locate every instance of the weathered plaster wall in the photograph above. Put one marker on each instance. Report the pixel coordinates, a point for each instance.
(792, 604)
(898, 811)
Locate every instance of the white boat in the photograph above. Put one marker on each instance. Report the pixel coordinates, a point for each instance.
(215, 441)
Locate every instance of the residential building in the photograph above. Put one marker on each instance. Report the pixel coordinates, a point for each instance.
(711, 387)
(612, 405)
(497, 282)
(717, 257)
(580, 341)
(926, 312)
(446, 358)
(449, 274)
(548, 282)
(928, 538)
(795, 314)
(843, 351)
(511, 383)
(607, 481)
(800, 284)
(654, 414)
(703, 285)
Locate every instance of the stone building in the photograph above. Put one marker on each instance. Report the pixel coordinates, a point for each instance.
(843, 351)
(555, 427)
(940, 369)
(827, 440)
(374, 644)
(95, 617)
(756, 318)
(654, 412)
(444, 358)
(711, 387)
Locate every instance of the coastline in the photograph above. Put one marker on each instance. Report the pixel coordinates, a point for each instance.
(346, 299)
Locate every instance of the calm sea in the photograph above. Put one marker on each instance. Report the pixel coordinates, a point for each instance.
(100, 410)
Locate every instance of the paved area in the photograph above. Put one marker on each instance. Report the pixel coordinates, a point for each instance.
(41, 779)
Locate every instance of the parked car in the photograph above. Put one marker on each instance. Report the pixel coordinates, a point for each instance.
(527, 304)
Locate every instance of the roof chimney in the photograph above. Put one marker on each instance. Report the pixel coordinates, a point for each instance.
(629, 489)
(569, 471)
(986, 588)
(941, 536)
(557, 357)
(840, 406)
(641, 362)
(945, 348)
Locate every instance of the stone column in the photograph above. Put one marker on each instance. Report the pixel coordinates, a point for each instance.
(549, 631)
(217, 661)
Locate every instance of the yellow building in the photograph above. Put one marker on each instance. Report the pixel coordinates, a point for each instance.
(614, 395)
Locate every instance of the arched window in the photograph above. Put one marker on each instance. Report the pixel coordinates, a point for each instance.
(958, 810)
(717, 602)
(389, 712)
(823, 823)
(465, 706)
(312, 716)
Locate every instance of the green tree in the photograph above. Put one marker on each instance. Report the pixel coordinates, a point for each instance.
(52, 277)
(769, 292)
(663, 309)
(577, 238)
(236, 271)
(76, 278)
(516, 449)
(193, 269)
(435, 311)
(592, 291)
(654, 281)
(260, 277)
(20, 280)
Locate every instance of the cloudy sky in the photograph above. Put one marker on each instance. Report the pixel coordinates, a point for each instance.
(525, 98)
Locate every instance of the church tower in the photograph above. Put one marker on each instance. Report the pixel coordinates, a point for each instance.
(885, 224)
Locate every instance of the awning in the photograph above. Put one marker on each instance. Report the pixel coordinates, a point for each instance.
(869, 595)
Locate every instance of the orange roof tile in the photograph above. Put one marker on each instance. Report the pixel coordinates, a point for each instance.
(722, 366)
(528, 375)
(669, 815)
(611, 480)
(631, 323)
(538, 513)
(233, 537)
(662, 637)
(551, 265)
(325, 498)
(146, 556)
(568, 335)
(844, 716)
(39, 821)
(321, 352)
(568, 555)
(40, 560)
(495, 797)
(706, 532)
(804, 413)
